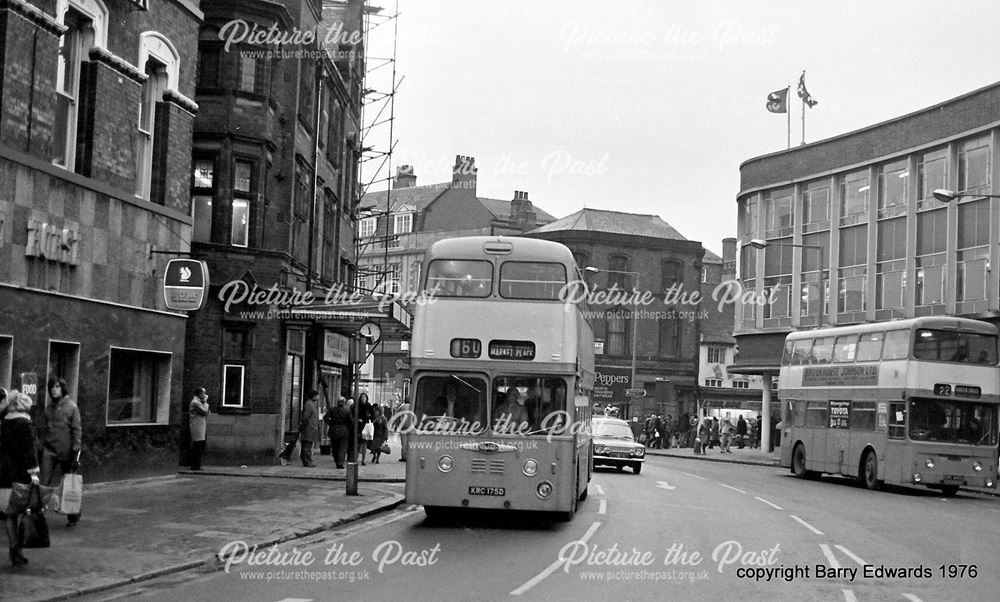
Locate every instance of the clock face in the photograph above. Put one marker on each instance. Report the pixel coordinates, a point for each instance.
(370, 330)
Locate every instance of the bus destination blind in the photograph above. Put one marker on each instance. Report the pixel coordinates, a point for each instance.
(840, 376)
(512, 350)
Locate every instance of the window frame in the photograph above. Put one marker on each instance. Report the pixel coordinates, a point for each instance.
(160, 412)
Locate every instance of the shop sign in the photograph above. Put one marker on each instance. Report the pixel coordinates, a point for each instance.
(48, 241)
(185, 283)
(336, 348)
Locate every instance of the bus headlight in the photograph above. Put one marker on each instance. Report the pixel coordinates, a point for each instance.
(916, 477)
(930, 462)
(990, 483)
(977, 467)
(530, 468)
(544, 490)
(445, 463)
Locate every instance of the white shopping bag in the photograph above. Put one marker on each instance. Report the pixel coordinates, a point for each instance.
(71, 494)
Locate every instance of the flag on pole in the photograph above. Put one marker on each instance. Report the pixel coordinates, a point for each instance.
(777, 101)
(804, 94)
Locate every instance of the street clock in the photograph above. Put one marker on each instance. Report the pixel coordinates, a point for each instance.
(371, 331)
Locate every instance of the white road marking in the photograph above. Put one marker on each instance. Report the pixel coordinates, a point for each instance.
(806, 525)
(603, 508)
(554, 566)
(600, 490)
(731, 487)
(768, 503)
(912, 598)
(665, 485)
(296, 600)
(829, 556)
(695, 476)
(849, 596)
(851, 555)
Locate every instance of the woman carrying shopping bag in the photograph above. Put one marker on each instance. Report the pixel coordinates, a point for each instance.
(18, 464)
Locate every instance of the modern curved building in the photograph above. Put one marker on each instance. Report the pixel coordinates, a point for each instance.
(848, 230)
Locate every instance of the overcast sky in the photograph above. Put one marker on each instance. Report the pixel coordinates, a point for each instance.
(651, 106)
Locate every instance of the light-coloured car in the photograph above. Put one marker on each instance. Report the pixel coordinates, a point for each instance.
(615, 445)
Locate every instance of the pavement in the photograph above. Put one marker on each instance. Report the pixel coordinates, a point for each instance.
(136, 530)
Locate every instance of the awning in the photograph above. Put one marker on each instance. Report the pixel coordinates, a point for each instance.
(393, 318)
(755, 369)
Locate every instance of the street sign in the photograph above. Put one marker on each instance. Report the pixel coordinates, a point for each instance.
(635, 392)
(185, 282)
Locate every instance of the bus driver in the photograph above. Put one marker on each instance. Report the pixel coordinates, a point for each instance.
(511, 416)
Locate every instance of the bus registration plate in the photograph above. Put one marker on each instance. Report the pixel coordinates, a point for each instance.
(497, 491)
(953, 478)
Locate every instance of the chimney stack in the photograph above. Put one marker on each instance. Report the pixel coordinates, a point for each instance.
(463, 174)
(405, 178)
(523, 212)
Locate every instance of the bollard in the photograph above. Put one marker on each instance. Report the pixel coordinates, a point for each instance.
(352, 478)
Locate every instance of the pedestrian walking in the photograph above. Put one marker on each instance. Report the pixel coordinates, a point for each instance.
(756, 431)
(338, 420)
(726, 431)
(18, 464)
(364, 417)
(741, 431)
(63, 438)
(309, 428)
(198, 423)
(704, 436)
(380, 435)
(713, 432)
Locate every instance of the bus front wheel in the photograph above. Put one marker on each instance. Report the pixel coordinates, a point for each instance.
(869, 471)
(799, 461)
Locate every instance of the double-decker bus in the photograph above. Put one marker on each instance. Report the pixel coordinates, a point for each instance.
(502, 372)
(907, 402)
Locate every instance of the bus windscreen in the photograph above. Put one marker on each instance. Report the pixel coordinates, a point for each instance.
(460, 278)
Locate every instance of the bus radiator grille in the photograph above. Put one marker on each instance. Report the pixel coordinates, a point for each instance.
(491, 466)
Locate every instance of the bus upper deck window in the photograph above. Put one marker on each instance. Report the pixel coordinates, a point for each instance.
(870, 347)
(802, 351)
(897, 345)
(846, 348)
(822, 352)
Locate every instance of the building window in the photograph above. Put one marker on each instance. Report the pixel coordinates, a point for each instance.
(300, 211)
(749, 218)
(86, 24)
(854, 188)
(932, 236)
(617, 329)
(741, 384)
(616, 265)
(208, 66)
(138, 387)
(671, 273)
(670, 337)
(716, 354)
(779, 213)
(973, 249)
(932, 173)
(232, 386)
(815, 277)
(243, 186)
(713, 382)
(974, 165)
(704, 275)
(366, 227)
(402, 223)
(890, 266)
(778, 277)
(202, 193)
(816, 206)
(393, 276)
(893, 188)
(254, 76)
(853, 271)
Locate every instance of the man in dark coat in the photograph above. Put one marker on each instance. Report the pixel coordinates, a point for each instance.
(741, 430)
(338, 420)
(309, 428)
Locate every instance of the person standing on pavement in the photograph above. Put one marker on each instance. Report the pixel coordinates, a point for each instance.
(309, 428)
(704, 435)
(364, 416)
(18, 462)
(63, 437)
(198, 422)
(338, 419)
(381, 434)
(726, 430)
(741, 431)
(713, 437)
(756, 431)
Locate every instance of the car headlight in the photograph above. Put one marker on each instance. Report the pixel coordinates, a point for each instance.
(600, 449)
(639, 451)
(445, 463)
(530, 468)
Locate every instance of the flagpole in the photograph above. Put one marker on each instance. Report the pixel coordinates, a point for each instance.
(803, 121)
(788, 114)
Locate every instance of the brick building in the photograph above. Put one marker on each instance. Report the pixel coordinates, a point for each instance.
(95, 125)
(398, 225)
(668, 330)
(852, 232)
(274, 188)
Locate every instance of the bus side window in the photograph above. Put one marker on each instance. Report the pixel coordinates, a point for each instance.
(897, 420)
(799, 413)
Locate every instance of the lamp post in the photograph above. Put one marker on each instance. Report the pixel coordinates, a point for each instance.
(946, 196)
(635, 310)
(759, 243)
